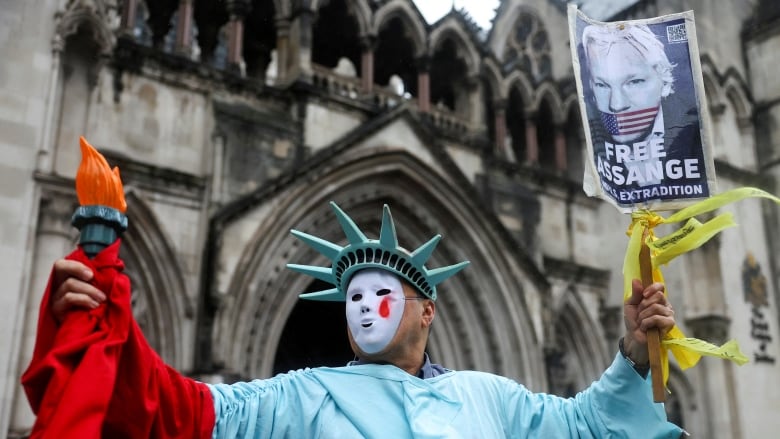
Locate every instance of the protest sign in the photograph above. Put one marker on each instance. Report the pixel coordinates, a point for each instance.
(644, 111)
(647, 130)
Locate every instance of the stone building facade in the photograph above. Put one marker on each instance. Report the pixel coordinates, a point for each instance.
(234, 121)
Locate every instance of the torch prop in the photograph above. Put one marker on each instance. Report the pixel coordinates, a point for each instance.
(101, 215)
(73, 374)
(93, 374)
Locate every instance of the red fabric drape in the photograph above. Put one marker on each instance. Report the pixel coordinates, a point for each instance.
(94, 375)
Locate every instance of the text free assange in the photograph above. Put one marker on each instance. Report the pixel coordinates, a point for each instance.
(644, 164)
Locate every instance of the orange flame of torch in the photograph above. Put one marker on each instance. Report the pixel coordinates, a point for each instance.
(96, 182)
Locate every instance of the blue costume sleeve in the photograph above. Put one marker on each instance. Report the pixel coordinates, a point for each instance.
(619, 405)
(284, 406)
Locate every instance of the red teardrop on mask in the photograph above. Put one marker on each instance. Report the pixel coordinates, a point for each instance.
(384, 308)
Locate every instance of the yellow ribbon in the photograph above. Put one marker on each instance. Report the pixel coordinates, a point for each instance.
(690, 236)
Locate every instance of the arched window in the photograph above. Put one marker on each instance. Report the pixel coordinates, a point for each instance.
(210, 19)
(545, 136)
(448, 78)
(575, 141)
(259, 38)
(394, 56)
(528, 48)
(515, 125)
(336, 35)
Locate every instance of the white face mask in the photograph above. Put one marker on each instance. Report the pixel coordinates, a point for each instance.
(375, 305)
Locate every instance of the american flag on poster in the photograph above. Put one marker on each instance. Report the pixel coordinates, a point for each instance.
(629, 122)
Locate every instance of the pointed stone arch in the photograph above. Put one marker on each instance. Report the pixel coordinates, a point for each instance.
(339, 30)
(491, 71)
(734, 90)
(454, 68)
(160, 301)
(518, 94)
(483, 320)
(575, 138)
(740, 106)
(359, 9)
(521, 42)
(82, 45)
(504, 23)
(414, 26)
(711, 84)
(570, 102)
(576, 335)
(494, 114)
(731, 107)
(547, 91)
(548, 125)
(450, 28)
(520, 81)
(681, 405)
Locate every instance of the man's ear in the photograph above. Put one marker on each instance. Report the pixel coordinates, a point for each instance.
(429, 312)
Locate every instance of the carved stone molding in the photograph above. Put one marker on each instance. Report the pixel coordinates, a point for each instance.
(55, 212)
(97, 14)
(609, 317)
(711, 328)
(559, 372)
(577, 273)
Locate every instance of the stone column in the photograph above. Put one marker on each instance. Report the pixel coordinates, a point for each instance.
(45, 162)
(717, 384)
(184, 28)
(424, 84)
(706, 295)
(611, 320)
(472, 111)
(128, 17)
(531, 143)
(282, 47)
(55, 238)
(217, 186)
(300, 44)
(237, 10)
(499, 127)
(368, 43)
(705, 310)
(560, 149)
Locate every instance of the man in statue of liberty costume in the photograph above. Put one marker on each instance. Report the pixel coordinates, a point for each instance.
(392, 390)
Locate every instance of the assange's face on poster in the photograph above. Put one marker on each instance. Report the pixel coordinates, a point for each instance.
(623, 83)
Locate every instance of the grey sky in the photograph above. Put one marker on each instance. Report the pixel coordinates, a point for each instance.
(483, 11)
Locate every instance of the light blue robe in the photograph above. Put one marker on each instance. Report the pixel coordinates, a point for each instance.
(382, 401)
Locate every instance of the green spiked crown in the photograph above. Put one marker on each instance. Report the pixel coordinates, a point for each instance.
(362, 252)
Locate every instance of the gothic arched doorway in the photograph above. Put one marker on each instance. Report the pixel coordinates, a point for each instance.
(315, 335)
